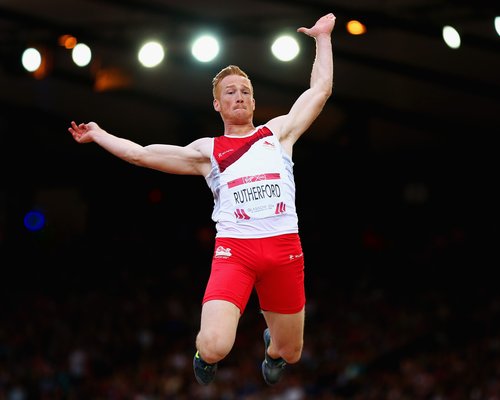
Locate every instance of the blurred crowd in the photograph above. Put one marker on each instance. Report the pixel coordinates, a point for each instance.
(123, 328)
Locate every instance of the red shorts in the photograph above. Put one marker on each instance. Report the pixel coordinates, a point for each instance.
(274, 266)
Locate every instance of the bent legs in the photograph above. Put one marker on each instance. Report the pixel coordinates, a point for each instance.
(219, 322)
(287, 335)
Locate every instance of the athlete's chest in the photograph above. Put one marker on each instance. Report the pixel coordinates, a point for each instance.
(259, 150)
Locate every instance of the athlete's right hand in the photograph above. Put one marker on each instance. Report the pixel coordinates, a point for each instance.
(82, 133)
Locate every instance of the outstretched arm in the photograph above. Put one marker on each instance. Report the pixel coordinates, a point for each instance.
(310, 103)
(193, 159)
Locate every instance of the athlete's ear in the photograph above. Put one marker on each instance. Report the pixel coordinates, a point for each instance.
(253, 102)
(216, 105)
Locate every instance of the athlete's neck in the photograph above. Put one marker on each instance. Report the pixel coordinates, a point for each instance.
(238, 130)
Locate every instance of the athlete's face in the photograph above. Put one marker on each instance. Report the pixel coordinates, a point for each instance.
(234, 99)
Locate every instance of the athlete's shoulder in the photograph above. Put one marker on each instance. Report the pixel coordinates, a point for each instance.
(275, 125)
(204, 145)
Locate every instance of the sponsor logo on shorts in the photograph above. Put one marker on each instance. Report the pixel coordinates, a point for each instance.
(222, 252)
(296, 256)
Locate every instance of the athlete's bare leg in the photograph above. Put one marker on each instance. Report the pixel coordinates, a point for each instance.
(287, 335)
(219, 322)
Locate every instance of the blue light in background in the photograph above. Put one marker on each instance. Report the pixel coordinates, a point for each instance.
(34, 220)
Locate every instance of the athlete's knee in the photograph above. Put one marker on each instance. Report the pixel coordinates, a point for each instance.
(291, 353)
(212, 346)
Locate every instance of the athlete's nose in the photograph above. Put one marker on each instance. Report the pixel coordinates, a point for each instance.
(239, 97)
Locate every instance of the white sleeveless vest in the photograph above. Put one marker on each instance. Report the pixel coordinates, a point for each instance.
(253, 186)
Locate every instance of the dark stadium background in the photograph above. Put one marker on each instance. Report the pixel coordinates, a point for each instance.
(396, 192)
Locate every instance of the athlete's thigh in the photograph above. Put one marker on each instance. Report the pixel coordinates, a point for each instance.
(218, 318)
(219, 322)
(286, 329)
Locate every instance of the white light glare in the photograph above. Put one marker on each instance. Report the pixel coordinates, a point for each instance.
(205, 48)
(31, 59)
(451, 37)
(285, 48)
(497, 25)
(81, 54)
(151, 54)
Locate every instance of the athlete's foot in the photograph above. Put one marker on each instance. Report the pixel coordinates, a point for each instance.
(203, 371)
(272, 368)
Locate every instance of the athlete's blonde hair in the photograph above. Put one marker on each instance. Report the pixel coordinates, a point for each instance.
(226, 71)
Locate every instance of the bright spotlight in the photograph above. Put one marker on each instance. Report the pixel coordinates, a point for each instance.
(451, 37)
(31, 59)
(285, 48)
(205, 48)
(151, 54)
(81, 54)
